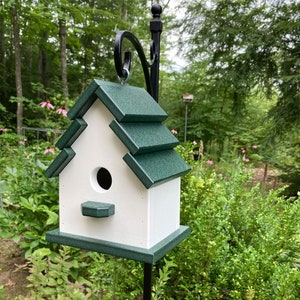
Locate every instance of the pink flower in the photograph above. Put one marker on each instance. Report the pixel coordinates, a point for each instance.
(47, 104)
(49, 150)
(22, 142)
(253, 146)
(62, 111)
(174, 131)
(243, 150)
(209, 162)
(246, 159)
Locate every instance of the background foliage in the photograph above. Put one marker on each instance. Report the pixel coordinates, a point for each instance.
(241, 65)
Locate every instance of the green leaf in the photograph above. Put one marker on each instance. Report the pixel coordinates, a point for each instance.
(3, 187)
(16, 238)
(52, 218)
(41, 253)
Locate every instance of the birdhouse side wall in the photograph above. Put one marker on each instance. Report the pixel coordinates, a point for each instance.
(164, 210)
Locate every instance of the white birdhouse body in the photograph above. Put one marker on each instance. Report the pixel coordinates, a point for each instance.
(119, 177)
(142, 216)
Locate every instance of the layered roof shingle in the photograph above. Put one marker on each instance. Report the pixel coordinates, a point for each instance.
(138, 124)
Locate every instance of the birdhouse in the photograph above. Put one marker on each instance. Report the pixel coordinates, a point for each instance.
(119, 176)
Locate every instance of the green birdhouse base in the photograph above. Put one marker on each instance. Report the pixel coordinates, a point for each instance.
(149, 256)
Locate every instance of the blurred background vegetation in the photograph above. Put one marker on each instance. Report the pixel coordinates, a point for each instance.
(241, 61)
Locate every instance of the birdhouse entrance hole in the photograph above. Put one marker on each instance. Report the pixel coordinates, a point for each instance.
(101, 178)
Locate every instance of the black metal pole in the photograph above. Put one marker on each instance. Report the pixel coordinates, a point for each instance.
(156, 29)
(147, 281)
(152, 82)
(185, 120)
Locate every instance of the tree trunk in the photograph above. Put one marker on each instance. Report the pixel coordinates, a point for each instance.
(3, 55)
(18, 73)
(265, 172)
(43, 63)
(124, 11)
(63, 57)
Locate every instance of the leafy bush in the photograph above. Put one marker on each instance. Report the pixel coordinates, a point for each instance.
(115, 278)
(243, 245)
(287, 157)
(30, 199)
(74, 274)
(56, 275)
(1, 291)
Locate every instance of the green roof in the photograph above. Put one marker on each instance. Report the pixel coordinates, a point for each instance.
(156, 167)
(144, 137)
(138, 124)
(126, 103)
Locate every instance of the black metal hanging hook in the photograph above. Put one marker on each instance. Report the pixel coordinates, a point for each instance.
(123, 68)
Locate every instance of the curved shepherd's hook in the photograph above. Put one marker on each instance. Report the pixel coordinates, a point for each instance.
(123, 69)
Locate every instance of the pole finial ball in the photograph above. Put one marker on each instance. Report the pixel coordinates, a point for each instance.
(156, 10)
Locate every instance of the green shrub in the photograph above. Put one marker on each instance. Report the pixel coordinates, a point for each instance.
(243, 245)
(30, 200)
(1, 291)
(74, 274)
(57, 275)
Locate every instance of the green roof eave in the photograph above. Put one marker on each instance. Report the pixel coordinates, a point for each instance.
(71, 134)
(60, 162)
(84, 102)
(144, 137)
(156, 167)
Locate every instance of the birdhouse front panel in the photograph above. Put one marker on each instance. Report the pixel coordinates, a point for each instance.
(99, 148)
(119, 176)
